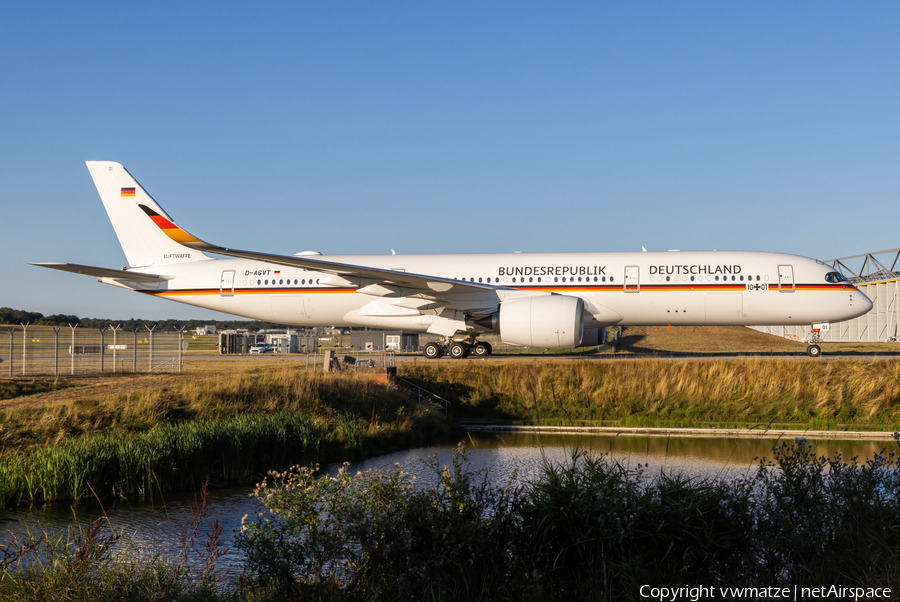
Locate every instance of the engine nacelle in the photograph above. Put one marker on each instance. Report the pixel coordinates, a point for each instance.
(548, 321)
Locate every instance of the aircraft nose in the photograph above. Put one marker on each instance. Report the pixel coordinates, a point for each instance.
(865, 302)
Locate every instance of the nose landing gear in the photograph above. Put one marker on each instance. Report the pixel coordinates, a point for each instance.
(814, 350)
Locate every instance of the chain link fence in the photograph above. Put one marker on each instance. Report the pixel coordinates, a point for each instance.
(40, 350)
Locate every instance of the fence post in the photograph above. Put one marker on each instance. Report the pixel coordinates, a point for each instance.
(10, 331)
(72, 351)
(115, 329)
(24, 346)
(150, 330)
(134, 350)
(102, 349)
(56, 351)
(180, 354)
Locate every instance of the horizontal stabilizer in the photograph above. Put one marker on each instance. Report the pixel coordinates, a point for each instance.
(89, 270)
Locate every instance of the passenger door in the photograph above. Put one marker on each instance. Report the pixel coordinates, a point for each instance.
(785, 279)
(226, 285)
(632, 279)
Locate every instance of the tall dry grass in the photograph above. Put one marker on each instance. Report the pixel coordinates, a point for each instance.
(825, 393)
(227, 430)
(275, 389)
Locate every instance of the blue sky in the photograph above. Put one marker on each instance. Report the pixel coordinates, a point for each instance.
(357, 127)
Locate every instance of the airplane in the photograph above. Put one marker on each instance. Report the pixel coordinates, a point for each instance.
(543, 300)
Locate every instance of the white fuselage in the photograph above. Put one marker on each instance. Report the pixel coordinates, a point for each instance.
(651, 288)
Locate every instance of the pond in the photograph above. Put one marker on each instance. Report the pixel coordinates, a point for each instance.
(156, 526)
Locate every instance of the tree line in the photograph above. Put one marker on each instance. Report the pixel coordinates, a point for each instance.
(19, 316)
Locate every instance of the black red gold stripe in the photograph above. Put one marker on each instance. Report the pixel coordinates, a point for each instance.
(649, 288)
(170, 229)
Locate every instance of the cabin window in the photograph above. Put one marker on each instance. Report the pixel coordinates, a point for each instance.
(555, 279)
(479, 280)
(267, 282)
(692, 278)
(258, 282)
(539, 278)
(530, 279)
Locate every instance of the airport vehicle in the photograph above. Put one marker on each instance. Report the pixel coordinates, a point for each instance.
(544, 300)
(262, 348)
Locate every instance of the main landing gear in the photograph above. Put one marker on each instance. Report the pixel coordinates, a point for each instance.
(458, 349)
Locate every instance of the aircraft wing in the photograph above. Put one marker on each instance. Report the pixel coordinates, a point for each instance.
(362, 275)
(89, 270)
(469, 297)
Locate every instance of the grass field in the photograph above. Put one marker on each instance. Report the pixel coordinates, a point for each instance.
(853, 394)
(131, 434)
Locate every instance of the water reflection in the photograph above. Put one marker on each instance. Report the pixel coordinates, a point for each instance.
(155, 527)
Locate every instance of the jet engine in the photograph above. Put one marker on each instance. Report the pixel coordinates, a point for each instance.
(548, 321)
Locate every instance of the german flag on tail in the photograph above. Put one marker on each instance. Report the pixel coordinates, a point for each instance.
(170, 229)
(127, 192)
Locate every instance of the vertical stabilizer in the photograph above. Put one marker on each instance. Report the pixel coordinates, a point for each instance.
(126, 203)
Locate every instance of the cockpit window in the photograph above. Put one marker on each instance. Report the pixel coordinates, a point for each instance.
(835, 278)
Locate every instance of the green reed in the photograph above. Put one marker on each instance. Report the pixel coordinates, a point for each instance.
(173, 456)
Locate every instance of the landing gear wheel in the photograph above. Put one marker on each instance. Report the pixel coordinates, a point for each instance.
(482, 349)
(458, 350)
(814, 351)
(433, 351)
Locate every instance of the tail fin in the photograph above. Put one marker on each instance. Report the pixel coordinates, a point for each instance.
(131, 211)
